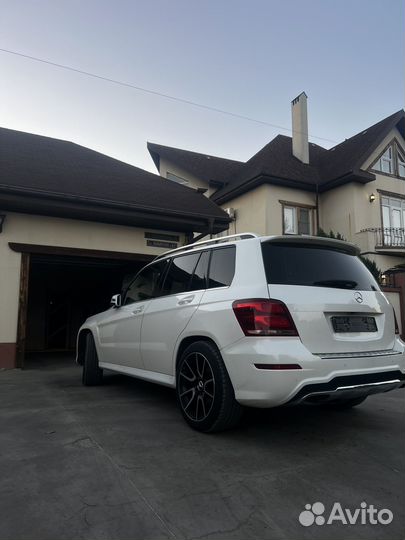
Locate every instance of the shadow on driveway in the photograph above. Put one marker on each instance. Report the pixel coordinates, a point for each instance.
(118, 462)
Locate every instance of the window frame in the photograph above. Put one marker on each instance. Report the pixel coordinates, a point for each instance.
(176, 179)
(400, 162)
(295, 207)
(166, 273)
(157, 285)
(169, 260)
(231, 246)
(397, 154)
(393, 203)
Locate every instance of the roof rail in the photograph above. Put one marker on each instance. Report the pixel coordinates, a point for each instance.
(222, 239)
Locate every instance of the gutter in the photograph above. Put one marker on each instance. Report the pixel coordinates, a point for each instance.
(104, 202)
(265, 179)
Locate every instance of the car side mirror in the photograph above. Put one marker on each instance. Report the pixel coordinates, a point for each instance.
(116, 301)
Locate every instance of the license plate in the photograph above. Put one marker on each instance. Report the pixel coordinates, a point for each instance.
(354, 324)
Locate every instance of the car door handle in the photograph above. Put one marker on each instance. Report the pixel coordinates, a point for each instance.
(186, 300)
(137, 310)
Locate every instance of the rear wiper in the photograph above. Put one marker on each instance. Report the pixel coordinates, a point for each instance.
(336, 283)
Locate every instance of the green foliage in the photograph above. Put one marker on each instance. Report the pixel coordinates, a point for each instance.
(331, 234)
(371, 265)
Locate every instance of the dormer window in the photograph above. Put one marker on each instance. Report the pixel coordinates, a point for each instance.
(391, 161)
(401, 165)
(175, 178)
(385, 163)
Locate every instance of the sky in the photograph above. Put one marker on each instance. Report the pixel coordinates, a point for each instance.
(248, 57)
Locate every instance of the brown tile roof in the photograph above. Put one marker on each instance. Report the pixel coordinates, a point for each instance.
(349, 155)
(43, 166)
(209, 168)
(275, 162)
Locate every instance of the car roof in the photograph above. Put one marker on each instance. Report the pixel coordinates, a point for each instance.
(300, 240)
(320, 241)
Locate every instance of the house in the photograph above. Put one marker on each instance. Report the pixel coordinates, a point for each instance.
(292, 186)
(74, 225)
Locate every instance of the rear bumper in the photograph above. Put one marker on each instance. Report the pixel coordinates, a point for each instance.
(321, 377)
(349, 387)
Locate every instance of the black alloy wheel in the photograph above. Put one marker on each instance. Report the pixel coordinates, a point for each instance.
(204, 390)
(197, 387)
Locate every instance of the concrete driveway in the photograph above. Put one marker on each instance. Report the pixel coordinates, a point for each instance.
(118, 462)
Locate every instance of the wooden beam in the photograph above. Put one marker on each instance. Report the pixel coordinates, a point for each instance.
(22, 309)
(37, 249)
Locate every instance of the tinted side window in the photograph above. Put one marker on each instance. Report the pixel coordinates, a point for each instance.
(222, 267)
(199, 279)
(178, 277)
(145, 285)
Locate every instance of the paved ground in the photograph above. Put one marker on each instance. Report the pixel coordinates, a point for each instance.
(117, 462)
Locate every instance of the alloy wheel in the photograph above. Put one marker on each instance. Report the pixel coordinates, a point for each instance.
(197, 387)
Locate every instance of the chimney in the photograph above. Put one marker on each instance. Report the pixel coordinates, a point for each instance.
(300, 146)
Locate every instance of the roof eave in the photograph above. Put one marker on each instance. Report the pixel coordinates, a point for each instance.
(154, 155)
(397, 118)
(110, 212)
(260, 180)
(358, 176)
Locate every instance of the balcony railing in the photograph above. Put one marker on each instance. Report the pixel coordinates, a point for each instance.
(388, 237)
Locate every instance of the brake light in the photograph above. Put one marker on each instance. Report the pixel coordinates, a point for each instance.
(396, 323)
(261, 317)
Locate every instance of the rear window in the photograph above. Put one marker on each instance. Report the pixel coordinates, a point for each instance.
(315, 267)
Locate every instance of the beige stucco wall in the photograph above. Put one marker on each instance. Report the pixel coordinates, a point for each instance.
(274, 206)
(343, 208)
(30, 229)
(347, 209)
(260, 210)
(251, 211)
(193, 182)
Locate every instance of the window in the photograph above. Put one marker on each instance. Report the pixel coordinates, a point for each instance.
(145, 285)
(297, 220)
(393, 217)
(175, 178)
(401, 165)
(199, 278)
(392, 161)
(222, 267)
(289, 220)
(315, 267)
(178, 277)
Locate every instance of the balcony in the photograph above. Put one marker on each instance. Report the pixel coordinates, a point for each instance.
(388, 238)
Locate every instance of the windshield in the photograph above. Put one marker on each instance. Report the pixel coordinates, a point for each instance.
(315, 266)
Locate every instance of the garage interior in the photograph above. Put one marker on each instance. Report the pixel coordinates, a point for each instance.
(62, 292)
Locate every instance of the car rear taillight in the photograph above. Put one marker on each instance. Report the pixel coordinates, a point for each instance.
(261, 317)
(396, 323)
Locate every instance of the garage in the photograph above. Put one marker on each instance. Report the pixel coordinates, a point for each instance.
(62, 292)
(75, 225)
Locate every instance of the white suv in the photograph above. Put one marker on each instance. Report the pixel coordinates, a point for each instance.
(247, 320)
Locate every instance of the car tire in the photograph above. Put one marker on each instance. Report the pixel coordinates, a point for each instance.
(204, 390)
(92, 373)
(346, 403)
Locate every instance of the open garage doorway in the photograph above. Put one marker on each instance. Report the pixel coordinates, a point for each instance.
(62, 291)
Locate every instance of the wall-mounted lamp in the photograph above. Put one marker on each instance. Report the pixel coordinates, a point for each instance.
(2, 220)
(372, 197)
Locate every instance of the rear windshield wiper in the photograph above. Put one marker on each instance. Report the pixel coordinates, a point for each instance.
(336, 283)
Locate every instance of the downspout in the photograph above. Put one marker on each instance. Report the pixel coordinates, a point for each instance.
(211, 226)
(317, 208)
(209, 231)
